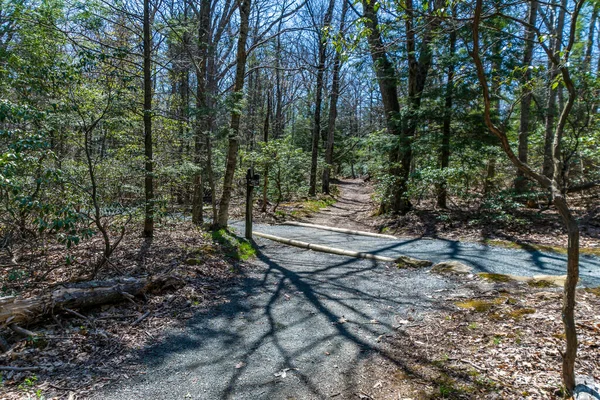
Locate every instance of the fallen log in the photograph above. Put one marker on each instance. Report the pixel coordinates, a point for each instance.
(23, 311)
(341, 230)
(404, 260)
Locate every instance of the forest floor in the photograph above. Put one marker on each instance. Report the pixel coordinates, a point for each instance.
(75, 353)
(500, 342)
(293, 323)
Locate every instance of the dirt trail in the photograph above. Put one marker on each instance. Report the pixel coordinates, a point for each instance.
(353, 209)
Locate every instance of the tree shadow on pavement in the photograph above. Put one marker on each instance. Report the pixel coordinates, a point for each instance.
(301, 326)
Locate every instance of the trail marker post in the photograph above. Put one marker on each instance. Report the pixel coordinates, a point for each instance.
(252, 180)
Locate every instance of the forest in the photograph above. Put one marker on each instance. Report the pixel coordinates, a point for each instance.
(128, 128)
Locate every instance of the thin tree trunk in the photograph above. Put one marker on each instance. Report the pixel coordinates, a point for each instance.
(418, 69)
(234, 131)
(278, 126)
(201, 113)
(149, 162)
(568, 308)
(335, 89)
(587, 61)
(266, 140)
(316, 134)
(521, 181)
(547, 168)
(445, 148)
(554, 183)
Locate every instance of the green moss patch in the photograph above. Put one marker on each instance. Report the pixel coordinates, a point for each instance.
(520, 313)
(495, 277)
(305, 208)
(479, 305)
(234, 246)
(595, 290)
(540, 283)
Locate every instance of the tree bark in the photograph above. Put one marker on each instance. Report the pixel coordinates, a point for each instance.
(387, 81)
(278, 125)
(266, 140)
(547, 168)
(149, 162)
(335, 89)
(521, 181)
(568, 308)
(446, 133)
(19, 311)
(587, 60)
(418, 68)
(201, 112)
(316, 133)
(234, 129)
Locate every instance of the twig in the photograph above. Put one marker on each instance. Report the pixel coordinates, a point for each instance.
(76, 313)
(64, 389)
(129, 297)
(55, 318)
(123, 316)
(21, 331)
(470, 363)
(140, 319)
(9, 368)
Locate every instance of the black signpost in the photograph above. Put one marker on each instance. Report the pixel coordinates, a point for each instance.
(252, 180)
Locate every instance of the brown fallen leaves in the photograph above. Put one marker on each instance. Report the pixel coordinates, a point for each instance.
(498, 341)
(78, 355)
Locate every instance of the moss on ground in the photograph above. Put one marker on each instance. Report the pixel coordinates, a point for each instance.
(595, 290)
(311, 206)
(540, 283)
(235, 247)
(495, 277)
(479, 305)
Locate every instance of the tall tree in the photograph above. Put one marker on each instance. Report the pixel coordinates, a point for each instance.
(335, 93)
(202, 118)
(388, 88)
(323, 35)
(442, 192)
(234, 127)
(553, 88)
(527, 95)
(149, 161)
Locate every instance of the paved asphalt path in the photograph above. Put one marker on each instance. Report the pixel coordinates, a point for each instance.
(481, 257)
(299, 325)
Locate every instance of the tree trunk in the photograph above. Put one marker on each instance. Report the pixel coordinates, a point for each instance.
(587, 60)
(19, 311)
(548, 167)
(387, 81)
(266, 140)
(234, 129)
(149, 162)
(521, 181)
(568, 309)
(278, 125)
(554, 183)
(316, 134)
(418, 69)
(201, 113)
(445, 148)
(335, 89)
